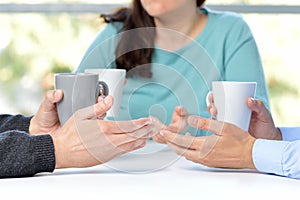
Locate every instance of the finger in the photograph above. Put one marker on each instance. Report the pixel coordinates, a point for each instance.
(157, 123)
(159, 139)
(120, 127)
(211, 98)
(212, 110)
(145, 132)
(187, 142)
(207, 124)
(101, 117)
(252, 104)
(58, 95)
(187, 153)
(182, 111)
(128, 147)
(188, 134)
(51, 97)
(100, 98)
(93, 111)
(257, 106)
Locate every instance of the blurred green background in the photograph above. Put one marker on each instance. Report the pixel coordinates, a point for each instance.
(35, 46)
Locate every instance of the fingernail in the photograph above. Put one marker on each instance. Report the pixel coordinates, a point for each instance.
(151, 119)
(193, 120)
(148, 121)
(100, 99)
(188, 134)
(142, 145)
(107, 100)
(253, 101)
(56, 95)
(211, 110)
(162, 133)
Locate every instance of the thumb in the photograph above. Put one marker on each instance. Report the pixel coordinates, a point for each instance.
(96, 110)
(256, 106)
(51, 97)
(182, 111)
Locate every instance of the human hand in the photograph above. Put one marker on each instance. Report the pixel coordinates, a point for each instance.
(261, 123)
(229, 147)
(46, 120)
(177, 125)
(84, 141)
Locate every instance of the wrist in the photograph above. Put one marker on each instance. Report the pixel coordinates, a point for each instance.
(249, 157)
(32, 126)
(58, 152)
(278, 134)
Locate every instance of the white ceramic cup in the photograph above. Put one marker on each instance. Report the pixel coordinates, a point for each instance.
(230, 99)
(114, 80)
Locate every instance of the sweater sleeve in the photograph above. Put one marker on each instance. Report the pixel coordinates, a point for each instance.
(14, 122)
(25, 155)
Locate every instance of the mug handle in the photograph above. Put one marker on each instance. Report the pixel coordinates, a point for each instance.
(102, 90)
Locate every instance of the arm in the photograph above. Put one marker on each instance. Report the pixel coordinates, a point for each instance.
(25, 155)
(290, 133)
(17, 122)
(231, 147)
(277, 157)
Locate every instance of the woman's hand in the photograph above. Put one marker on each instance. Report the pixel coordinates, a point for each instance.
(229, 147)
(178, 123)
(84, 141)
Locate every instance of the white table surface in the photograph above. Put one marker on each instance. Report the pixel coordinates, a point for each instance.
(154, 172)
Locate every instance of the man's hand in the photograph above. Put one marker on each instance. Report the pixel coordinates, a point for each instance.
(261, 124)
(229, 147)
(84, 141)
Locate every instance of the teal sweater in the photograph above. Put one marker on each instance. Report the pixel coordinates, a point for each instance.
(224, 50)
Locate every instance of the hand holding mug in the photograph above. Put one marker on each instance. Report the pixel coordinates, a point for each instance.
(84, 141)
(46, 120)
(261, 122)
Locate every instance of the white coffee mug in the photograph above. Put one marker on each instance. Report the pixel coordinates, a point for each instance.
(230, 99)
(112, 81)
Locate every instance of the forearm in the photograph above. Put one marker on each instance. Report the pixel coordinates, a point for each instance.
(25, 155)
(16, 122)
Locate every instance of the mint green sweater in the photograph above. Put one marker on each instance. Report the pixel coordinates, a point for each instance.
(224, 50)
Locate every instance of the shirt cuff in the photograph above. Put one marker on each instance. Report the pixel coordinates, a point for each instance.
(290, 133)
(268, 154)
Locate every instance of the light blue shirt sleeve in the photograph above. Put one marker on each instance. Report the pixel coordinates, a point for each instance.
(290, 133)
(277, 157)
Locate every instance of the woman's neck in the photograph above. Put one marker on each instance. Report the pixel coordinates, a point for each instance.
(173, 32)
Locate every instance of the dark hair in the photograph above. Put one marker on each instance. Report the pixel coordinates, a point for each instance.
(135, 17)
